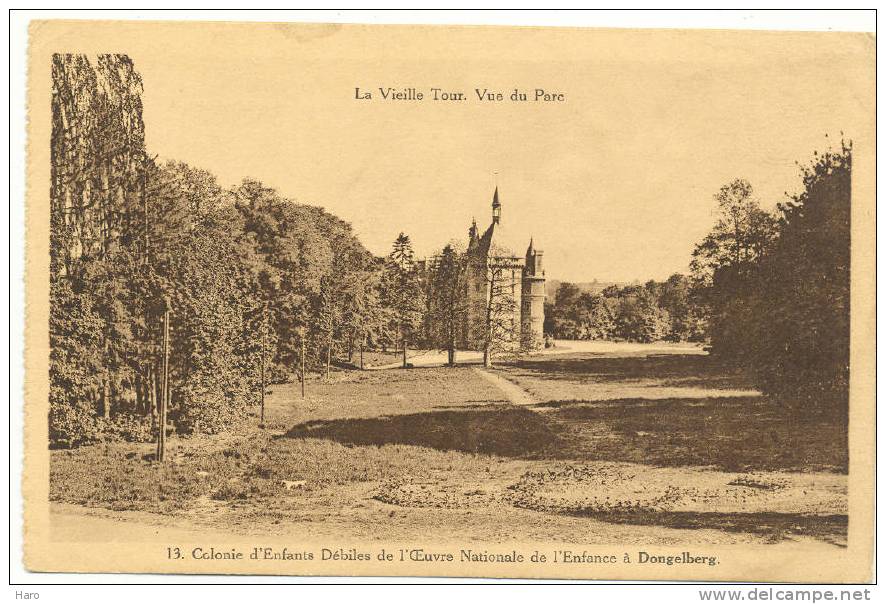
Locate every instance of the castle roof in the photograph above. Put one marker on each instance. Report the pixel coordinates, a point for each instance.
(486, 239)
(495, 240)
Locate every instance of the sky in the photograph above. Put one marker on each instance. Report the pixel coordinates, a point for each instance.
(615, 183)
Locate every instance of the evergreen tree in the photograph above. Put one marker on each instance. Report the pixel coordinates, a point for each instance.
(402, 292)
(447, 300)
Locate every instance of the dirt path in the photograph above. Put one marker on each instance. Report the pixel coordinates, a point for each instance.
(512, 391)
(72, 523)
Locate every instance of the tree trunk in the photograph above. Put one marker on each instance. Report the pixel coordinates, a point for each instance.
(487, 346)
(404, 353)
(328, 356)
(164, 393)
(106, 395)
(490, 332)
(152, 392)
(141, 405)
(451, 344)
(262, 394)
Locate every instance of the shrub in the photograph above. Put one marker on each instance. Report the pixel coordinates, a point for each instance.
(205, 409)
(128, 427)
(71, 425)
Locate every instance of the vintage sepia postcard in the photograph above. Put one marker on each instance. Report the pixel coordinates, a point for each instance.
(450, 301)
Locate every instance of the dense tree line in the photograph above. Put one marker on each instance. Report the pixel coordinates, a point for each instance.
(244, 271)
(776, 285)
(654, 311)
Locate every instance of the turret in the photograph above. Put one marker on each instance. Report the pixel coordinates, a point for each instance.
(534, 267)
(496, 208)
(473, 237)
(532, 315)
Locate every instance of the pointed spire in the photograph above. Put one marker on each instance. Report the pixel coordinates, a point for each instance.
(496, 207)
(531, 249)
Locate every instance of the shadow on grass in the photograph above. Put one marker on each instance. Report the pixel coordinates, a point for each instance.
(495, 430)
(672, 370)
(736, 434)
(729, 433)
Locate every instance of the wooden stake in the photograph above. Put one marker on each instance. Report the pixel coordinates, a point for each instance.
(263, 343)
(328, 354)
(303, 362)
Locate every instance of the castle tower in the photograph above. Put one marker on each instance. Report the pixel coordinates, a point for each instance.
(532, 310)
(517, 284)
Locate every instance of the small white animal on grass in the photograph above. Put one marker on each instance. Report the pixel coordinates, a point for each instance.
(293, 484)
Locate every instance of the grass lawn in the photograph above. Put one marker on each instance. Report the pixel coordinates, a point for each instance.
(675, 410)
(629, 449)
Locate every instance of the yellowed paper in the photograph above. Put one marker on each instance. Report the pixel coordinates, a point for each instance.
(594, 458)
